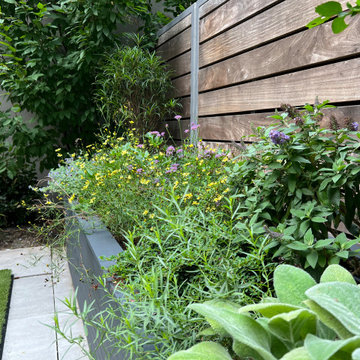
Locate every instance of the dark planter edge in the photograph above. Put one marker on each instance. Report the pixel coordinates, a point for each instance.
(88, 243)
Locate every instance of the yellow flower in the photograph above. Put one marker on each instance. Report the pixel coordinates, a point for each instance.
(144, 182)
(151, 216)
(71, 198)
(92, 200)
(145, 212)
(188, 196)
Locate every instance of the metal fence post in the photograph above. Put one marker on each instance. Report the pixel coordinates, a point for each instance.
(195, 44)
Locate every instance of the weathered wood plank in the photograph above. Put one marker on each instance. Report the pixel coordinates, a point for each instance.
(278, 21)
(230, 13)
(302, 49)
(240, 127)
(181, 64)
(339, 82)
(210, 6)
(182, 86)
(176, 45)
(176, 29)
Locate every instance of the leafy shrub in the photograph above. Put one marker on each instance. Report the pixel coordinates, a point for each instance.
(50, 53)
(134, 85)
(305, 321)
(169, 207)
(302, 181)
(17, 171)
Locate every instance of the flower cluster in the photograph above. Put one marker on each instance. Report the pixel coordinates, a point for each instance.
(278, 137)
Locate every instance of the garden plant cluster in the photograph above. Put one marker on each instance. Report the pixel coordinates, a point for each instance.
(201, 224)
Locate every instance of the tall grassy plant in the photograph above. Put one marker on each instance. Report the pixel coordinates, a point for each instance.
(134, 85)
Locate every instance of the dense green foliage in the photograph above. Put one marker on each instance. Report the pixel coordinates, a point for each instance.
(50, 53)
(332, 9)
(306, 321)
(171, 209)
(16, 169)
(301, 181)
(133, 90)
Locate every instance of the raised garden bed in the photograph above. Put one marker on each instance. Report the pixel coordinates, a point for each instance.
(88, 241)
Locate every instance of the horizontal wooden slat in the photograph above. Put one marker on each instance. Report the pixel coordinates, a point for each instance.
(182, 86)
(230, 13)
(181, 64)
(209, 6)
(176, 29)
(278, 21)
(296, 51)
(339, 82)
(240, 127)
(176, 45)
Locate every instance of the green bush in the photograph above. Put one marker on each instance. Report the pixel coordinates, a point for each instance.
(169, 207)
(306, 321)
(133, 89)
(49, 57)
(17, 170)
(302, 181)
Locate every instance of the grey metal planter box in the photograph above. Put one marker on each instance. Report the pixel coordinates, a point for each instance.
(88, 241)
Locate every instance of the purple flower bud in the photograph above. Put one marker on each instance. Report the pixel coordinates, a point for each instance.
(140, 146)
(194, 126)
(178, 117)
(186, 131)
(278, 137)
(354, 126)
(140, 170)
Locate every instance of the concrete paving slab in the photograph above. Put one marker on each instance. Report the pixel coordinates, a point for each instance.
(74, 328)
(41, 281)
(27, 261)
(31, 296)
(30, 339)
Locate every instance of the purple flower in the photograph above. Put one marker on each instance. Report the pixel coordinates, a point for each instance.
(157, 133)
(354, 126)
(178, 117)
(156, 161)
(194, 126)
(130, 167)
(140, 170)
(162, 134)
(173, 168)
(278, 137)
(166, 125)
(186, 131)
(178, 151)
(170, 150)
(140, 146)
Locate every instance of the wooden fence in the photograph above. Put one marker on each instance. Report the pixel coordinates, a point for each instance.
(236, 61)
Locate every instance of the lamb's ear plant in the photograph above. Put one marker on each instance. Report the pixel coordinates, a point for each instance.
(305, 321)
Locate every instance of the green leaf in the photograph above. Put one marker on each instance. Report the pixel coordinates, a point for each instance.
(301, 159)
(341, 300)
(290, 284)
(316, 22)
(325, 349)
(203, 351)
(297, 354)
(293, 326)
(329, 9)
(292, 183)
(323, 243)
(339, 25)
(312, 258)
(337, 273)
(318, 219)
(269, 309)
(241, 327)
(298, 245)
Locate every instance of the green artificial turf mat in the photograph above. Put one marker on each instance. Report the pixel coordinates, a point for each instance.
(5, 290)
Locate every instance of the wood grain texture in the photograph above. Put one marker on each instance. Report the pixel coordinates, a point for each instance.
(278, 21)
(240, 127)
(228, 14)
(210, 6)
(339, 82)
(296, 51)
(181, 65)
(182, 86)
(176, 45)
(176, 29)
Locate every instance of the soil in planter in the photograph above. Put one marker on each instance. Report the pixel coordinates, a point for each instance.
(18, 237)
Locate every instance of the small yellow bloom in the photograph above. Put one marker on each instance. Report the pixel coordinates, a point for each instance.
(71, 198)
(145, 212)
